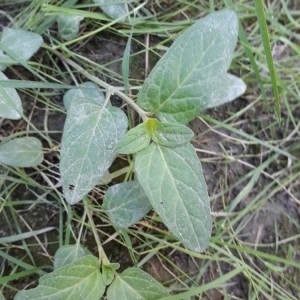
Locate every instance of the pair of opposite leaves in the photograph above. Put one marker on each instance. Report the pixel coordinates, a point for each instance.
(163, 133)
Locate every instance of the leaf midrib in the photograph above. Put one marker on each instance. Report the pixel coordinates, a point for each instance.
(102, 109)
(180, 84)
(175, 188)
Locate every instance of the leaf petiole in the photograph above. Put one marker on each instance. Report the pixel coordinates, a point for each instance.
(102, 256)
(110, 89)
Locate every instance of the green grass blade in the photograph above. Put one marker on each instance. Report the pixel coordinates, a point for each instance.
(214, 284)
(266, 43)
(20, 263)
(28, 84)
(249, 52)
(125, 63)
(16, 276)
(25, 235)
(1, 296)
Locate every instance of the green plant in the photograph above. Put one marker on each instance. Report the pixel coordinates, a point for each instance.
(189, 78)
(19, 46)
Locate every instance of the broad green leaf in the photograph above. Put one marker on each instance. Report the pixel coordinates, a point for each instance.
(126, 203)
(20, 43)
(68, 254)
(134, 140)
(135, 284)
(229, 88)
(80, 280)
(88, 146)
(87, 90)
(172, 134)
(10, 102)
(116, 9)
(22, 152)
(173, 180)
(168, 134)
(68, 26)
(183, 81)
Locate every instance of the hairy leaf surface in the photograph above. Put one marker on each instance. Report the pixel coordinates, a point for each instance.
(135, 284)
(19, 43)
(229, 88)
(171, 134)
(10, 102)
(68, 26)
(68, 254)
(116, 9)
(22, 152)
(134, 140)
(172, 179)
(126, 203)
(80, 280)
(88, 90)
(88, 146)
(183, 81)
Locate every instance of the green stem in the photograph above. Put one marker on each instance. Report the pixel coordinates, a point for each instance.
(102, 256)
(110, 176)
(110, 89)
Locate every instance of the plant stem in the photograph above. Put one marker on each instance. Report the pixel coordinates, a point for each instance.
(102, 256)
(110, 89)
(110, 176)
